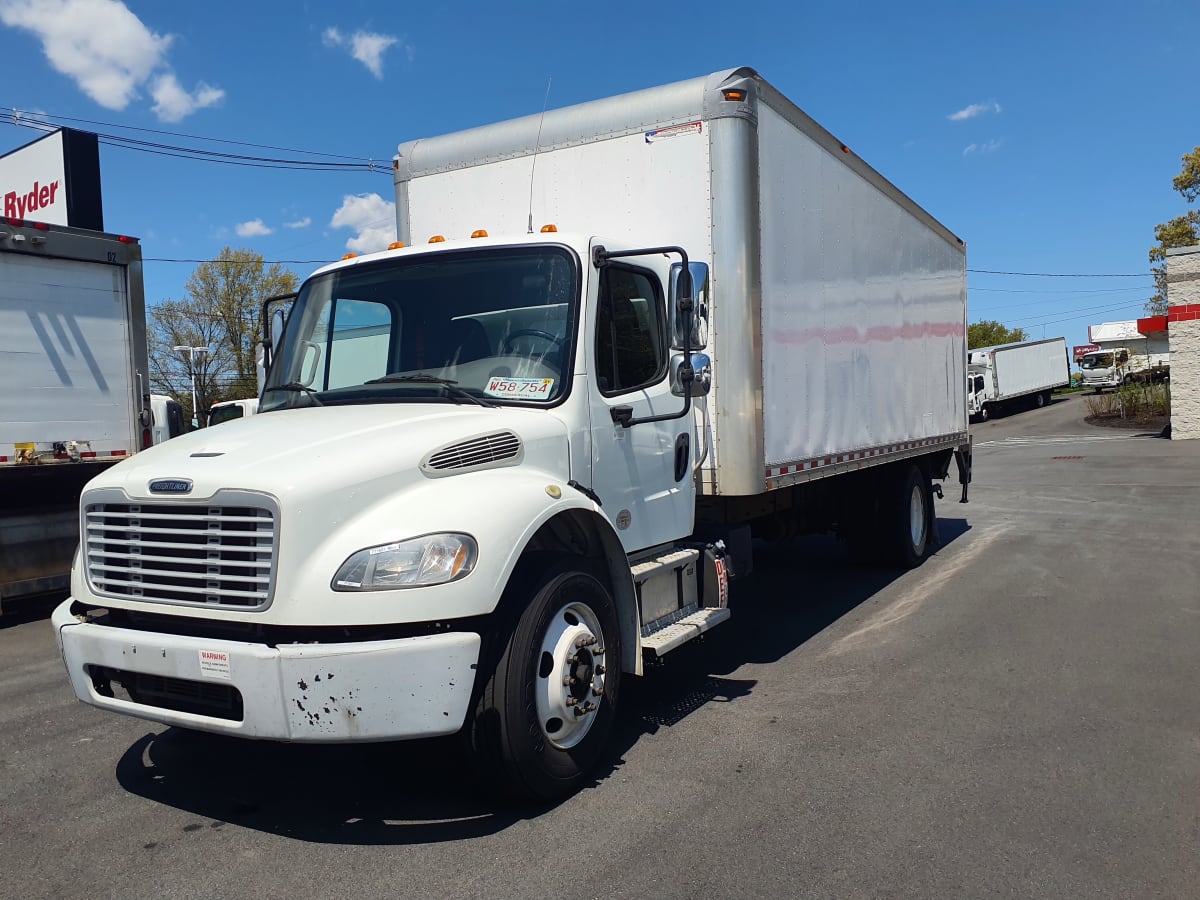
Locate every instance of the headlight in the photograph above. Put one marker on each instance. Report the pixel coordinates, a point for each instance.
(432, 559)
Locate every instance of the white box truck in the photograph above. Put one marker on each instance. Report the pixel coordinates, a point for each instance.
(74, 399)
(1126, 356)
(1012, 376)
(493, 476)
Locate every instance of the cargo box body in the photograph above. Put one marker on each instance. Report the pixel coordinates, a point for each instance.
(837, 305)
(73, 368)
(1023, 369)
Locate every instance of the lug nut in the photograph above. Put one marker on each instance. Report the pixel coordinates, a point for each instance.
(597, 692)
(599, 670)
(571, 701)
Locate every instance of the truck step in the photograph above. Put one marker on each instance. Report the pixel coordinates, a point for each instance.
(666, 639)
(673, 559)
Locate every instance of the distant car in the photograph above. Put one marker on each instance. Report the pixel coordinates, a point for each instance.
(231, 409)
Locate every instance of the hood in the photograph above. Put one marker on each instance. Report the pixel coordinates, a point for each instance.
(300, 453)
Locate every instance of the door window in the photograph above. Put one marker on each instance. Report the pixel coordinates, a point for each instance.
(631, 347)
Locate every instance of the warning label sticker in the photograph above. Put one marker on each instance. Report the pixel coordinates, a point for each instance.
(214, 664)
(661, 134)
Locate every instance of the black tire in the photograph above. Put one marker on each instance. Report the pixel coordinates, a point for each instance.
(1039, 400)
(985, 412)
(909, 518)
(522, 758)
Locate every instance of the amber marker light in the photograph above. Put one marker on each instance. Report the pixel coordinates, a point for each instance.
(479, 232)
(437, 239)
(735, 95)
(549, 229)
(350, 256)
(397, 245)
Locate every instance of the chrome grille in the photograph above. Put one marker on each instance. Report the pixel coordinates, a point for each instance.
(480, 451)
(194, 554)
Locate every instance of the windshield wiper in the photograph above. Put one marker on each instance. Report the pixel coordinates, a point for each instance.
(449, 384)
(298, 388)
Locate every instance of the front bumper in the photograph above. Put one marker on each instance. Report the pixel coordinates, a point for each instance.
(366, 691)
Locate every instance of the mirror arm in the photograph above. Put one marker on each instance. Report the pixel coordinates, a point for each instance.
(623, 415)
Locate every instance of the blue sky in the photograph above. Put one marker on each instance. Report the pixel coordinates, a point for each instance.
(1045, 135)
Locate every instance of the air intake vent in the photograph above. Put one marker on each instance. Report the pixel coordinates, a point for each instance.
(501, 448)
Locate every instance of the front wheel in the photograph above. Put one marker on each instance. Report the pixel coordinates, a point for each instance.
(546, 711)
(985, 412)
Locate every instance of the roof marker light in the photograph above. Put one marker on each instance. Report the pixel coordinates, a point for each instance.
(350, 256)
(549, 229)
(124, 239)
(437, 239)
(397, 245)
(479, 232)
(734, 94)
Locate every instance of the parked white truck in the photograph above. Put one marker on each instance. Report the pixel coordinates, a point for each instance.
(494, 476)
(1126, 356)
(1009, 376)
(74, 398)
(228, 410)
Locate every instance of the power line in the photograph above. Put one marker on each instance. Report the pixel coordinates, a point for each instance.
(1065, 274)
(204, 155)
(15, 113)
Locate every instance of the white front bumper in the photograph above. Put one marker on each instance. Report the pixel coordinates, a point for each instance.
(367, 691)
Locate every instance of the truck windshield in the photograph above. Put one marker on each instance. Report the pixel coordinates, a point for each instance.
(486, 326)
(1096, 361)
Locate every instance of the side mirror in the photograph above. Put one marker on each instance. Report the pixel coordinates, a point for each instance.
(701, 380)
(689, 289)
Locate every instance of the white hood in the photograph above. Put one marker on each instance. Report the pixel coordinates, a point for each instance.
(316, 451)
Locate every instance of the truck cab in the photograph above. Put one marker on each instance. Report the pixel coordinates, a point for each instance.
(444, 433)
(228, 410)
(1105, 368)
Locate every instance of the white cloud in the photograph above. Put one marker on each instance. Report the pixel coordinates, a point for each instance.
(367, 47)
(372, 218)
(975, 109)
(172, 102)
(108, 52)
(990, 147)
(299, 223)
(253, 228)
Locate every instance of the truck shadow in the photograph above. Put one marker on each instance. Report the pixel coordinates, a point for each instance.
(426, 792)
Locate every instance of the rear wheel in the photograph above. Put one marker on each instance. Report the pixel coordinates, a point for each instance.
(1039, 400)
(910, 514)
(545, 713)
(985, 412)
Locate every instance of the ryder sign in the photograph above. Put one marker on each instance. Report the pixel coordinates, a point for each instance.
(55, 179)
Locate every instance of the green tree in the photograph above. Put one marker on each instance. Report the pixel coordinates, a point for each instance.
(989, 333)
(220, 312)
(1181, 231)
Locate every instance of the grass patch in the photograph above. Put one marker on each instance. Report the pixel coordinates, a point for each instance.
(1138, 403)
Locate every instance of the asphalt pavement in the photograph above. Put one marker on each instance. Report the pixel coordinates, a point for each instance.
(1020, 716)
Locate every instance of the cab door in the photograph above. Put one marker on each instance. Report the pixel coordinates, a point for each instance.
(642, 473)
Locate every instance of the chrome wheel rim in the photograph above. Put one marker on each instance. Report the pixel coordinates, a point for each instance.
(569, 681)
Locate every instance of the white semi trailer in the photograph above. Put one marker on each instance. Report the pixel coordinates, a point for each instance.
(74, 399)
(1008, 376)
(493, 476)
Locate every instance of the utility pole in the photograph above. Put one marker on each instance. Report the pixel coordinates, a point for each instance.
(191, 352)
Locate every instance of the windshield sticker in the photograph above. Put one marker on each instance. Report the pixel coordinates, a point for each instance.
(520, 388)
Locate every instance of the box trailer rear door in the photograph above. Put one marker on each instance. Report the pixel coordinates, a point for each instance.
(65, 357)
